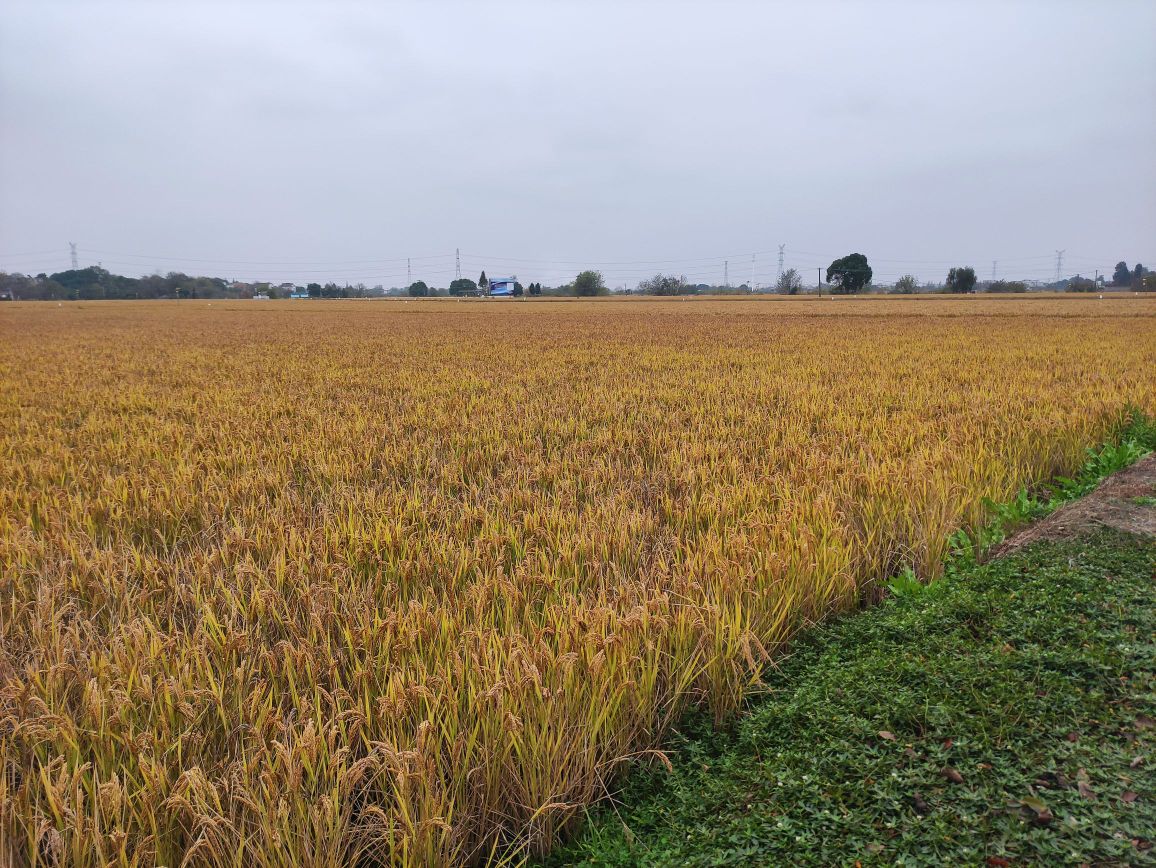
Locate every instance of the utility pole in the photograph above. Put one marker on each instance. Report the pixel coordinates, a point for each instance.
(782, 247)
(1059, 263)
(820, 287)
(726, 273)
(75, 262)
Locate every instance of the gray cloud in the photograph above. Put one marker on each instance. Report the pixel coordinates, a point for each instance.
(240, 138)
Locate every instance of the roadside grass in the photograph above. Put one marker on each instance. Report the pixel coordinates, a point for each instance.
(1002, 715)
(1135, 439)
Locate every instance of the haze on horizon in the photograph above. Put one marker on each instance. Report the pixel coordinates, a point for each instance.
(311, 141)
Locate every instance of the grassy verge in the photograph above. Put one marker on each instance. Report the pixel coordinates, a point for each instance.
(1001, 716)
(1135, 438)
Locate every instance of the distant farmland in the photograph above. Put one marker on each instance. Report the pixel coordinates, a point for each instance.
(317, 583)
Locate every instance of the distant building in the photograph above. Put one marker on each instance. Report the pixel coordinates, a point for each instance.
(501, 285)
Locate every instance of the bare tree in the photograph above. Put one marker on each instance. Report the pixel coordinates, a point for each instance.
(907, 284)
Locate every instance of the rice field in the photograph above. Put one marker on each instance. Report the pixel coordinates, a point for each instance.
(335, 583)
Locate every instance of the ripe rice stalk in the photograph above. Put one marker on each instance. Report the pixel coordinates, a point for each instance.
(343, 584)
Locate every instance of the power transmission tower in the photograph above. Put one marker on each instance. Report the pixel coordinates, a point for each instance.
(751, 285)
(458, 263)
(994, 263)
(782, 247)
(75, 261)
(408, 273)
(1059, 263)
(726, 272)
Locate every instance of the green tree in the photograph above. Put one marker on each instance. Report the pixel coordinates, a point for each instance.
(314, 290)
(483, 283)
(463, 286)
(535, 289)
(85, 283)
(1138, 274)
(518, 288)
(1121, 276)
(1007, 286)
(849, 274)
(961, 279)
(789, 282)
(418, 289)
(589, 283)
(662, 284)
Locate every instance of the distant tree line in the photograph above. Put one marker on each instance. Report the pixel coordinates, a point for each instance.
(847, 275)
(96, 283)
(1136, 278)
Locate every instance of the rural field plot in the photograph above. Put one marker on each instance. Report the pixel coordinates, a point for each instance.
(328, 583)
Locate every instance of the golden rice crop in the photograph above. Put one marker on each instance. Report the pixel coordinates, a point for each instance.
(320, 583)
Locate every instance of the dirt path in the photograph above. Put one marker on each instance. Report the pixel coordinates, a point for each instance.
(1125, 501)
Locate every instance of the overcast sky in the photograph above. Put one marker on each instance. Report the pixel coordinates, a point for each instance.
(330, 141)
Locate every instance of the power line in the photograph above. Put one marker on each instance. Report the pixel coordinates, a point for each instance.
(273, 262)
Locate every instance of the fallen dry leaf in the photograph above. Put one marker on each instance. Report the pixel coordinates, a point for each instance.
(952, 775)
(1084, 785)
(1128, 796)
(885, 735)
